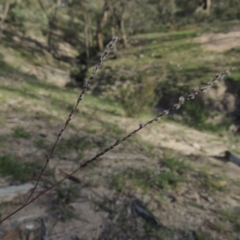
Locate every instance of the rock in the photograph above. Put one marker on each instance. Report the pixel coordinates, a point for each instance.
(206, 197)
(3, 182)
(139, 209)
(233, 128)
(8, 194)
(233, 202)
(181, 190)
(194, 196)
(146, 198)
(232, 157)
(197, 146)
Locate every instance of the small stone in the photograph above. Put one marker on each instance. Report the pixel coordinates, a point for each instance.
(8, 194)
(194, 196)
(146, 198)
(197, 146)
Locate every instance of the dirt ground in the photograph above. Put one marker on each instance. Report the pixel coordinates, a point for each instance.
(220, 42)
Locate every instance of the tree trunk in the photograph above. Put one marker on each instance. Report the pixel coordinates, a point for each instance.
(123, 33)
(86, 30)
(101, 24)
(120, 22)
(115, 46)
(4, 16)
(51, 19)
(90, 34)
(207, 6)
(100, 44)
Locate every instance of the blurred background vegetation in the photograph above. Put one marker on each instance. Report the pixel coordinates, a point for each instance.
(152, 68)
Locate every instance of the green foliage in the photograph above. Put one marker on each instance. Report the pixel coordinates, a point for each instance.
(167, 9)
(186, 7)
(196, 113)
(135, 98)
(226, 10)
(22, 172)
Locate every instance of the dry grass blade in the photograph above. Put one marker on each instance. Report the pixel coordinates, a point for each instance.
(176, 106)
(72, 178)
(87, 84)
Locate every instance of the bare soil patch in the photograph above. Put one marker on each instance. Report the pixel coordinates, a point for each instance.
(220, 42)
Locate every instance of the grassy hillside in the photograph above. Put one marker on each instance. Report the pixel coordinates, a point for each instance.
(160, 67)
(176, 171)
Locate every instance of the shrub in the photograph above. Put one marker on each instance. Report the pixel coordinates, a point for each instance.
(135, 98)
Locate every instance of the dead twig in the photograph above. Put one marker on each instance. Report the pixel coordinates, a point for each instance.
(72, 178)
(95, 69)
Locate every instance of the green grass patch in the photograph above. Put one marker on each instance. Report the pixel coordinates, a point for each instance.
(107, 105)
(136, 98)
(79, 144)
(231, 215)
(6, 68)
(20, 132)
(61, 207)
(90, 130)
(118, 181)
(173, 164)
(60, 104)
(23, 92)
(196, 115)
(199, 235)
(113, 128)
(174, 35)
(144, 146)
(14, 168)
(212, 182)
(40, 143)
(147, 179)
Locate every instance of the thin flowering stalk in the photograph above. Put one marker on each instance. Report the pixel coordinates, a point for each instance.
(191, 96)
(182, 99)
(107, 50)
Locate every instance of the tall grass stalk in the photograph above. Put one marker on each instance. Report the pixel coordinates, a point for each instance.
(182, 99)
